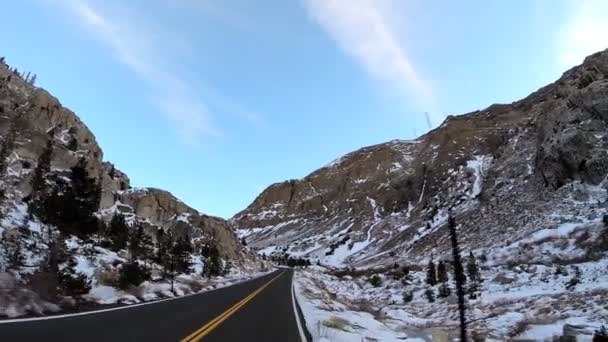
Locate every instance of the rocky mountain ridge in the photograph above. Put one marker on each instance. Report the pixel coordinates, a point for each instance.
(38, 116)
(504, 172)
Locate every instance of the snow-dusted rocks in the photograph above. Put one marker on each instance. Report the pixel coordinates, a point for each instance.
(505, 172)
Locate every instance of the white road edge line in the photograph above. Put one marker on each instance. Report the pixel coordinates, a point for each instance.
(295, 310)
(130, 306)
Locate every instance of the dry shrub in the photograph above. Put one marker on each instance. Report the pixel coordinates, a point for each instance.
(108, 277)
(338, 323)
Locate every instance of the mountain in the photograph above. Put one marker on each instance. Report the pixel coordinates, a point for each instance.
(504, 172)
(32, 123)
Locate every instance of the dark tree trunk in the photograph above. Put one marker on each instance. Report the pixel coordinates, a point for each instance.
(460, 279)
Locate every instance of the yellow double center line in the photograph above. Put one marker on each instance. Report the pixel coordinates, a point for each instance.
(214, 323)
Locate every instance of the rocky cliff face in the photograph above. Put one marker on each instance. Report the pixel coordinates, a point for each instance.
(504, 172)
(38, 116)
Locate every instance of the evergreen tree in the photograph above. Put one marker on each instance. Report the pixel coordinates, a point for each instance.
(213, 262)
(408, 296)
(182, 251)
(430, 294)
(133, 274)
(442, 273)
(12, 248)
(443, 278)
(474, 276)
(135, 242)
(375, 280)
(57, 252)
(472, 269)
(431, 274)
(38, 181)
(73, 283)
(118, 232)
(73, 144)
(227, 268)
(459, 278)
(161, 246)
(444, 290)
(71, 206)
(6, 148)
(168, 260)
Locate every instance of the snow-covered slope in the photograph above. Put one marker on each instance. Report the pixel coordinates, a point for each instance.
(505, 172)
(29, 118)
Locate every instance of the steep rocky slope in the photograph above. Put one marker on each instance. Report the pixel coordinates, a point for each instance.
(38, 116)
(505, 172)
(45, 266)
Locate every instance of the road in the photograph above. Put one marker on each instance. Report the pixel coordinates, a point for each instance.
(261, 309)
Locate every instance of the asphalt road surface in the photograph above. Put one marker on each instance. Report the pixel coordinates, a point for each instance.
(261, 309)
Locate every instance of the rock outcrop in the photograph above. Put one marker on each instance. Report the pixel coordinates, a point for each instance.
(502, 171)
(39, 117)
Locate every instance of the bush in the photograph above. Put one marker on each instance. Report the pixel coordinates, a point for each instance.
(408, 296)
(375, 280)
(132, 274)
(75, 284)
(575, 280)
(430, 295)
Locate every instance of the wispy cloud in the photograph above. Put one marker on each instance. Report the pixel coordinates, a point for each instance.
(137, 45)
(362, 28)
(584, 33)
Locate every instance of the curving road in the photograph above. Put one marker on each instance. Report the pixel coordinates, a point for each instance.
(262, 309)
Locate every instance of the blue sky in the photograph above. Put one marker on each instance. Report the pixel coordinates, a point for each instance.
(214, 100)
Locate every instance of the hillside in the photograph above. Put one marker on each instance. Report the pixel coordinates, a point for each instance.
(44, 250)
(526, 184)
(505, 172)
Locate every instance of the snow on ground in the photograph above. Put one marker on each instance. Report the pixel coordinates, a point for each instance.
(526, 293)
(479, 165)
(154, 290)
(99, 265)
(328, 320)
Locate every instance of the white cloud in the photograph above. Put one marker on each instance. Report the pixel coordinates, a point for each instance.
(584, 33)
(362, 28)
(137, 45)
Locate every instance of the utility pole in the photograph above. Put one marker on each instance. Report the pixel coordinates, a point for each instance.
(428, 120)
(459, 277)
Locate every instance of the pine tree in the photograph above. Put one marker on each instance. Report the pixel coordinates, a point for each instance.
(182, 252)
(474, 276)
(444, 290)
(459, 278)
(73, 283)
(431, 274)
(133, 274)
(12, 248)
(73, 144)
(442, 273)
(161, 247)
(6, 148)
(443, 278)
(38, 181)
(71, 206)
(430, 294)
(168, 260)
(118, 232)
(135, 242)
(213, 262)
